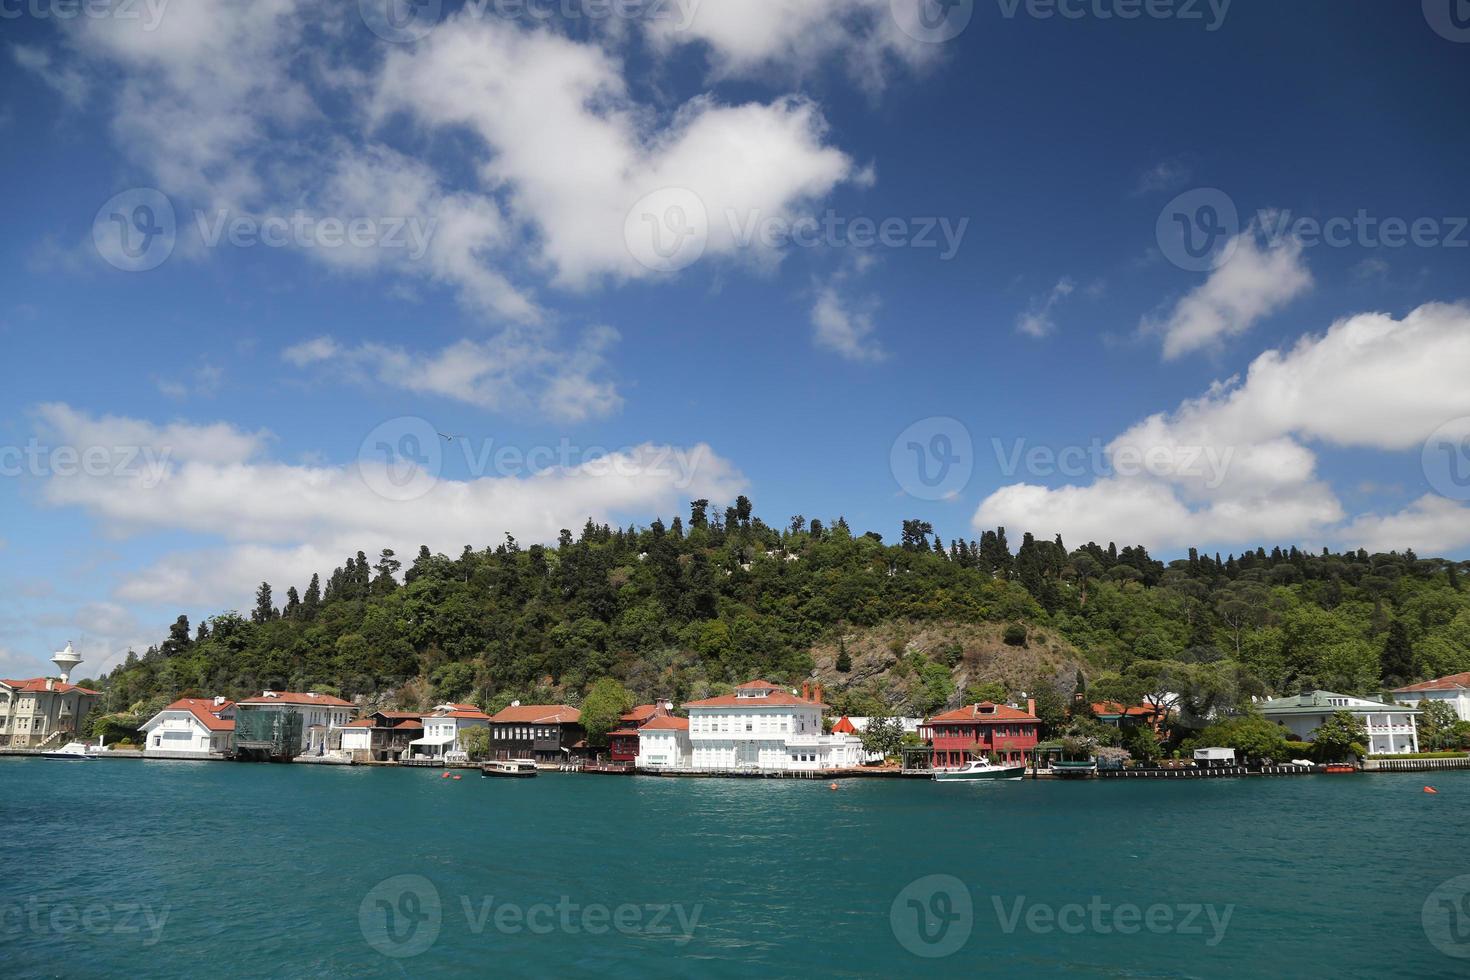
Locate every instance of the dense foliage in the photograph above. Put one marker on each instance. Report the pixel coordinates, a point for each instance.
(685, 609)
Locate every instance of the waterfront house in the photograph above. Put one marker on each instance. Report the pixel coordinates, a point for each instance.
(979, 731)
(1112, 713)
(663, 743)
(1392, 728)
(45, 712)
(623, 744)
(202, 727)
(285, 724)
(545, 733)
(444, 729)
(383, 736)
(1453, 690)
(764, 727)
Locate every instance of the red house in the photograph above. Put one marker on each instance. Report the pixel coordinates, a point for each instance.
(623, 742)
(979, 731)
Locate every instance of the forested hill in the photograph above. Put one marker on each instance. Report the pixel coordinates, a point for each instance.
(680, 610)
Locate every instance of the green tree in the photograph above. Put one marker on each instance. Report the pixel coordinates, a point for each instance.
(1254, 738)
(883, 735)
(1398, 654)
(1339, 738)
(988, 691)
(475, 742)
(844, 662)
(1436, 725)
(606, 702)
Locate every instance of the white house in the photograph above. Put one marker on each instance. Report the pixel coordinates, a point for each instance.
(763, 727)
(1453, 690)
(663, 743)
(322, 717)
(1391, 728)
(191, 726)
(443, 728)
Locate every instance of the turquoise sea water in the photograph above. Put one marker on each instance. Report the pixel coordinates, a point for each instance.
(179, 869)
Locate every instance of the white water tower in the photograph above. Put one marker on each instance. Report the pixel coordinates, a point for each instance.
(65, 660)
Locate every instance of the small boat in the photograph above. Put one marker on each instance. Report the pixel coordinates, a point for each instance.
(72, 751)
(513, 769)
(979, 770)
(1339, 767)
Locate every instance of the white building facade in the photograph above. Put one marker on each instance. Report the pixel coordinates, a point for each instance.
(200, 727)
(1392, 728)
(763, 727)
(1453, 690)
(663, 743)
(444, 728)
(322, 716)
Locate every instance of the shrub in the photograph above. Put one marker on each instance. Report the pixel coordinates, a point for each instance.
(1015, 635)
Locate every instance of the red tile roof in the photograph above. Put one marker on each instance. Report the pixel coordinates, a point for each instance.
(37, 685)
(292, 697)
(1138, 710)
(983, 712)
(468, 713)
(204, 710)
(1449, 683)
(844, 727)
(641, 713)
(668, 723)
(758, 686)
(411, 723)
(543, 714)
(361, 723)
(625, 732)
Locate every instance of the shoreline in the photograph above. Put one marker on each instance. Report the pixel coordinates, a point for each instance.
(1150, 773)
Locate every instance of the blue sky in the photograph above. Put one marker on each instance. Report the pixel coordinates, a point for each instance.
(1298, 378)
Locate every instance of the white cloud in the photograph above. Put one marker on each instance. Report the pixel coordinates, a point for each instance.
(1430, 525)
(280, 522)
(1234, 465)
(1166, 175)
(792, 37)
(1037, 320)
(514, 371)
(1257, 280)
(67, 82)
(844, 325)
(573, 152)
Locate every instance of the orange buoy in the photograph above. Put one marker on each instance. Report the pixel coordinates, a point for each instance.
(1431, 789)
(458, 777)
(445, 776)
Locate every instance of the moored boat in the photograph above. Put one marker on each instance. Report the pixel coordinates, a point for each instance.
(71, 751)
(511, 768)
(979, 770)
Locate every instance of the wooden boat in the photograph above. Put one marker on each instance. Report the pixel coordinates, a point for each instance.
(1074, 768)
(979, 770)
(72, 751)
(510, 769)
(1339, 767)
